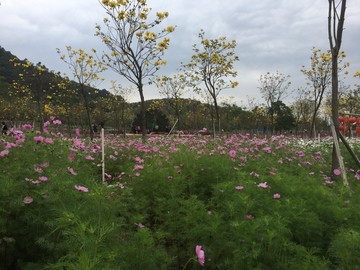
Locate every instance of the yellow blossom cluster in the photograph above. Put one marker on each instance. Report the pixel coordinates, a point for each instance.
(150, 36)
(164, 44)
(162, 15)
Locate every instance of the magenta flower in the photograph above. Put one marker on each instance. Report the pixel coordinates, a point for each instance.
(81, 188)
(200, 255)
(27, 126)
(4, 153)
(337, 171)
(10, 145)
(77, 132)
(38, 139)
(28, 200)
(232, 153)
(89, 158)
(263, 185)
(71, 156)
(267, 149)
(239, 187)
(300, 153)
(276, 196)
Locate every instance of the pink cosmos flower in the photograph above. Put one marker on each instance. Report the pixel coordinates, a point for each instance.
(57, 122)
(71, 170)
(357, 176)
(232, 153)
(263, 185)
(27, 126)
(4, 153)
(43, 178)
(337, 171)
(249, 216)
(267, 149)
(239, 187)
(300, 153)
(200, 255)
(276, 196)
(89, 158)
(44, 164)
(139, 160)
(10, 145)
(138, 167)
(81, 188)
(38, 139)
(48, 141)
(28, 200)
(77, 132)
(46, 124)
(71, 156)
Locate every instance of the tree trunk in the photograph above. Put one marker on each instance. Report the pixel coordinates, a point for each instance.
(87, 108)
(143, 111)
(217, 115)
(335, 38)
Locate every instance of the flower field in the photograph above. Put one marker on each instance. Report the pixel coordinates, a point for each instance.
(178, 202)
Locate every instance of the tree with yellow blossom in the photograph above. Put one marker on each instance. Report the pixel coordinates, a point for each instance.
(212, 67)
(35, 85)
(135, 49)
(85, 69)
(319, 76)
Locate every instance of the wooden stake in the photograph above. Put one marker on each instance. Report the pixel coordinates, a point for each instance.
(338, 154)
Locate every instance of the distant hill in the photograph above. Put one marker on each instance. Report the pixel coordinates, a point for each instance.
(9, 73)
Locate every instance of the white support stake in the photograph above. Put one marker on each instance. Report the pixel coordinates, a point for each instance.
(103, 155)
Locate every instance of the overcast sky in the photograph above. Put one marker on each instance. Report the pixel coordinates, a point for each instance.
(272, 35)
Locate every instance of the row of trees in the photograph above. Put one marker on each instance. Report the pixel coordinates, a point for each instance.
(136, 50)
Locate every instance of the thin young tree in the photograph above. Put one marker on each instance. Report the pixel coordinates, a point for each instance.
(336, 18)
(212, 66)
(85, 70)
(319, 77)
(173, 89)
(136, 50)
(274, 87)
(121, 106)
